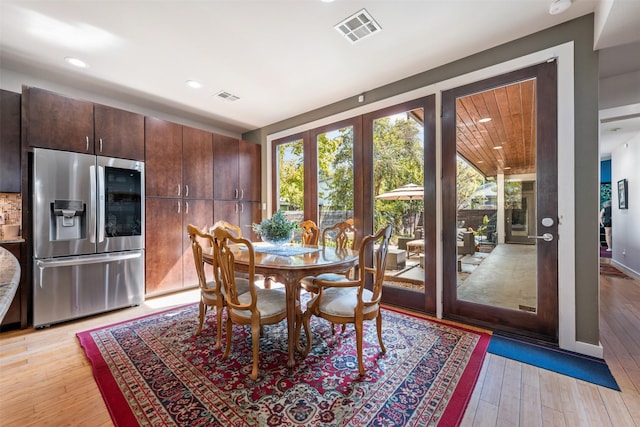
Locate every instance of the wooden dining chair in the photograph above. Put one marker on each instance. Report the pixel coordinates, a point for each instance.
(349, 301)
(341, 235)
(234, 229)
(258, 306)
(310, 232)
(211, 291)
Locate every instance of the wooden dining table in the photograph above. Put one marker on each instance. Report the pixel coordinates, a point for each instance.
(288, 265)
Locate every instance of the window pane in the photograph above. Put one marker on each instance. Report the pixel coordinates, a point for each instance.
(290, 176)
(335, 176)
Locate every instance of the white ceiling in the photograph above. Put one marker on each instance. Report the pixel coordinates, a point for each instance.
(281, 58)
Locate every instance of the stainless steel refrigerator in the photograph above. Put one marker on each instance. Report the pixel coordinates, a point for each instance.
(88, 235)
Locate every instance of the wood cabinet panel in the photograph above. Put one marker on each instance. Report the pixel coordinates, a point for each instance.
(163, 158)
(241, 213)
(163, 245)
(225, 172)
(249, 170)
(118, 133)
(200, 214)
(10, 144)
(197, 163)
(57, 122)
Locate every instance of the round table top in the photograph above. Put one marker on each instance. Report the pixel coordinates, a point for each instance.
(293, 256)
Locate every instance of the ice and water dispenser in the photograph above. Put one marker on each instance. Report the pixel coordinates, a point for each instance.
(68, 218)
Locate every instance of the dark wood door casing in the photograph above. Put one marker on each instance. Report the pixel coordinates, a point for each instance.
(544, 323)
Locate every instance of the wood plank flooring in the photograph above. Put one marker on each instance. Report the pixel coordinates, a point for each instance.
(45, 379)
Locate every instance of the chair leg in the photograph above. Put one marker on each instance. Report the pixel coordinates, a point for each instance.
(218, 344)
(255, 341)
(228, 347)
(302, 319)
(358, 326)
(203, 311)
(379, 328)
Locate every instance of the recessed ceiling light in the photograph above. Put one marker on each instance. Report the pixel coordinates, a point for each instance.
(194, 84)
(498, 147)
(484, 120)
(76, 62)
(507, 167)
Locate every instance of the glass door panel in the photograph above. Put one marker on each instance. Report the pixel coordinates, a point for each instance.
(335, 176)
(290, 178)
(398, 177)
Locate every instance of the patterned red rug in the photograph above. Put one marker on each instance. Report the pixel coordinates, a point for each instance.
(154, 371)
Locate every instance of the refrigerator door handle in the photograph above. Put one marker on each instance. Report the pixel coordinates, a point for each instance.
(92, 208)
(101, 204)
(42, 263)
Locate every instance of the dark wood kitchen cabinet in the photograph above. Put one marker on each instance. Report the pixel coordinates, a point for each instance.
(163, 245)
(179, 191)
(16, 316)
(168, 258)
(118, 133)
(59, 122)
(197, 163)
(54, 121)
(236, 180)
(163, 158)
(10, 178)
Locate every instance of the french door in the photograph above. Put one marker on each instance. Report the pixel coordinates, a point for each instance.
(500, 219)
(399, 170)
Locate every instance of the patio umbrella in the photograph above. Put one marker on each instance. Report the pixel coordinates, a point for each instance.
(406, 192)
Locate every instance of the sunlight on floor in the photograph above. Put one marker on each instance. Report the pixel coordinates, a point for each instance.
(173, 300)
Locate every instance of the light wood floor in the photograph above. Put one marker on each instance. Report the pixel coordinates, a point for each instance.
(45, 379)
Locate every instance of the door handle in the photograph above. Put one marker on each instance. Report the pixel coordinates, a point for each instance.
(547, 237)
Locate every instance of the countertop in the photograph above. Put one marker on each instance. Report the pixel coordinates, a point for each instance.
(9, 280)
(12, 240)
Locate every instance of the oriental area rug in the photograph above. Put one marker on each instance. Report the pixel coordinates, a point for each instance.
(155, 371)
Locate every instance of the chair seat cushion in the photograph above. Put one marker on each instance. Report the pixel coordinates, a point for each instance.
(342, 301)
(210, 298)
(308, 282)
(271, 302)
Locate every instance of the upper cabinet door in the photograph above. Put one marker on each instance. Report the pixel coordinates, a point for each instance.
(225, 171)
(10, 177)
(118, 133)
(249, 167)
(163, 158)
(197, 163)
(55, 121)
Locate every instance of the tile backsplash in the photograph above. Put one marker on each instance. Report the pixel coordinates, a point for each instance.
(10, 209)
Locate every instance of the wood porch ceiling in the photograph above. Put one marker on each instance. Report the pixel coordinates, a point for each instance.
(505, 144)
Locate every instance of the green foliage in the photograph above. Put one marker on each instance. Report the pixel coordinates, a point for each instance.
(291, 173)
(397, 160)
(468, 179)
(276, 227)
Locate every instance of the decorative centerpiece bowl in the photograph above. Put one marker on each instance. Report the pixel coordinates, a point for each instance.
(276, 230)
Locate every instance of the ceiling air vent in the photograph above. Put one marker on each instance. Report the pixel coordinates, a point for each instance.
(226, 96)
(358, 26)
